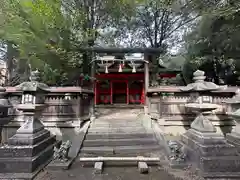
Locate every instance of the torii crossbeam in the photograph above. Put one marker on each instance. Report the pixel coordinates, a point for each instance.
(121, 50)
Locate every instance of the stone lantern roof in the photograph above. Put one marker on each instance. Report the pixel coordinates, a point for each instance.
(235, 99)
(200, 84)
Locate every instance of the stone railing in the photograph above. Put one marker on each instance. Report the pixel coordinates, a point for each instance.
(66, 108)
(166, 104)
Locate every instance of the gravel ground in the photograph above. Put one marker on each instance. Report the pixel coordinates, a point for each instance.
(110, 173)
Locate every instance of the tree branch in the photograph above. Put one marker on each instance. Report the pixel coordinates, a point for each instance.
(181, 24)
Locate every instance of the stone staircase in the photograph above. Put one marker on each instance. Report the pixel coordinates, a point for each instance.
(118, 132)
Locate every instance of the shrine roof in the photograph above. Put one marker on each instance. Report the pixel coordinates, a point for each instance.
(121, 50)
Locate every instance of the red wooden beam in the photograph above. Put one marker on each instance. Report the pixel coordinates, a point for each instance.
(138, 75)
(121, 50)
(134, 75)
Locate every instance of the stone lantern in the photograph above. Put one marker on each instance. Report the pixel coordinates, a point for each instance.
(32, 146)
(201, 102)
(206, 149)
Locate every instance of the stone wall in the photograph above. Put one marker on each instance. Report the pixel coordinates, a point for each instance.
(66, 108)
(166, 104)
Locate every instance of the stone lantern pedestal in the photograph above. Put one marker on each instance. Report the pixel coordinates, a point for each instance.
(4, 106)
(32, 147)
(234, 136)
(206, 149)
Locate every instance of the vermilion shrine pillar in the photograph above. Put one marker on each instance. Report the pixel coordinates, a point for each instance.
(111, 89)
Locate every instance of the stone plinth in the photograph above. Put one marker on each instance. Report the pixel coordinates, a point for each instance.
(211, 154)
(29, 150)
(234, 139)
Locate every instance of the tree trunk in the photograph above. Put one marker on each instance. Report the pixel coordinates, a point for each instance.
(154, 81)
(11, 54)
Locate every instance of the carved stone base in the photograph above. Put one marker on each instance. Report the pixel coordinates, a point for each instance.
(234, 139)
(60, 165)
(26, 153)
(29, 139)
(211, 154)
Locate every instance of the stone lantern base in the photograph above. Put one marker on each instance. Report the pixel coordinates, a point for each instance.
(27, 152)
(234, 139)
(211, 154)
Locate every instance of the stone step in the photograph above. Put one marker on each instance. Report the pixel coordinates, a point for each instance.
(119, 142)
(124, 124)
(116, 127)
(117, 119)
(116, 122)
(119, 150)
(94, 136)
(116, 130)
(104, 122)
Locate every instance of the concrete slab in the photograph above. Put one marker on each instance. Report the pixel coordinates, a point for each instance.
(98, 167)
(142, 167)
(77, 141)
(58, 165)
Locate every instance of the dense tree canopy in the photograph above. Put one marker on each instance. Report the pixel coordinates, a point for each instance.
(47, 33)
(213, 45)
(42, 35)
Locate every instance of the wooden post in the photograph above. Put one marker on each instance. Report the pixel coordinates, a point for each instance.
(95, 93)
(92, 105)
(146, 85)
(127, 92)
(142, 94)
(111, 89)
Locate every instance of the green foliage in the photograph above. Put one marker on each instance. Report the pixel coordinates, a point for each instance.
(43, 36)
(214, 43)
(47, 33)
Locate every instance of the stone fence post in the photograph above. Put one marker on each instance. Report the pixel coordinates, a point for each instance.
(4, 106)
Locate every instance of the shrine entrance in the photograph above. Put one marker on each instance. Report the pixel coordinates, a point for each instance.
(120, 92)
(119, 89)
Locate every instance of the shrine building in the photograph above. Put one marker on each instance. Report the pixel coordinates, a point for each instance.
(122, 75)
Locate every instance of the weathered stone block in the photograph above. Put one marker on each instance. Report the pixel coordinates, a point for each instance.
(234, 139)
(26, 151)
(28, 139)
(25, 164)
(212, 159)
(98, 167)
